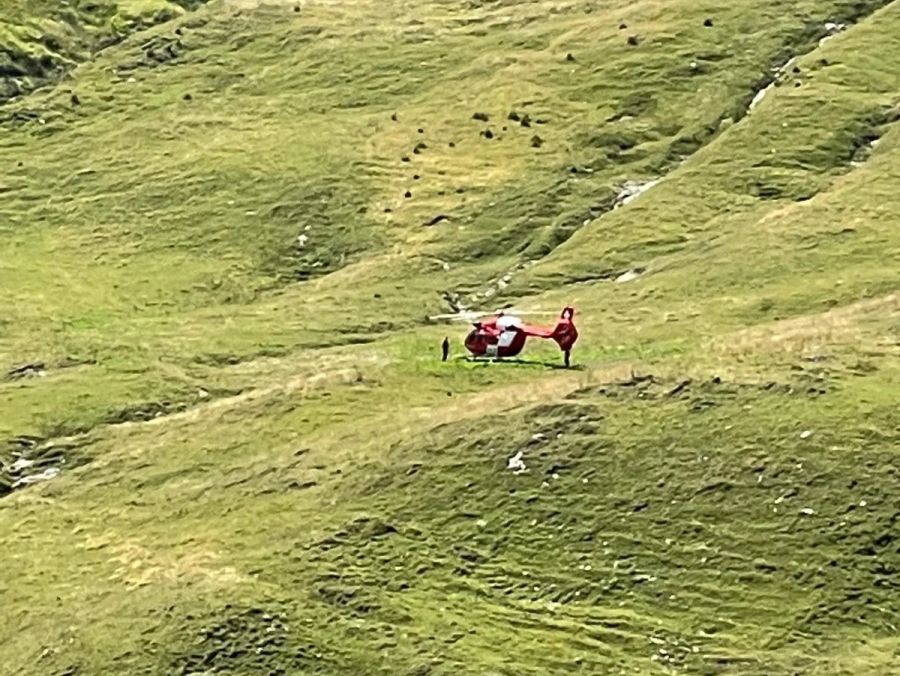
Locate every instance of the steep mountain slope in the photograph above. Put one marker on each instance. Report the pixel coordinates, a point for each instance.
(232, 447)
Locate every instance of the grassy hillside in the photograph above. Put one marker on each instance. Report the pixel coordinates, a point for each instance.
(41, 40)
(231, 446)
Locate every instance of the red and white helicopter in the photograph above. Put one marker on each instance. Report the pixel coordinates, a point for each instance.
(504, 334)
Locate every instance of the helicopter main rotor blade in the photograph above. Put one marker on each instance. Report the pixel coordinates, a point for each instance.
(472, 315)
(459, 316)
(533, 313)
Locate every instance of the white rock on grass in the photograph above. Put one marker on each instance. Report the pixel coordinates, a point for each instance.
(628, 276)
(516, 464)
(46, 475)
(20, 464)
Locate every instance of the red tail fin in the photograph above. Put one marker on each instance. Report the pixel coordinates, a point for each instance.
(565, 334)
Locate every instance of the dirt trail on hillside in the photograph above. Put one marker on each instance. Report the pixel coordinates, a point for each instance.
(303, 384)
(842, 325)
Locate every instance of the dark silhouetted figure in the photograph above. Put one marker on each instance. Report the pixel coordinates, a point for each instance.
(445, 349)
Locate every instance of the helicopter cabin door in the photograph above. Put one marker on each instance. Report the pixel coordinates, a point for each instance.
(506, 338)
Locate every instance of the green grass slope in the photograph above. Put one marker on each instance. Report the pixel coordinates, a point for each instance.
(231, 447)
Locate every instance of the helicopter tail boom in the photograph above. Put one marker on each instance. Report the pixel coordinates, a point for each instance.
(564, 333)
